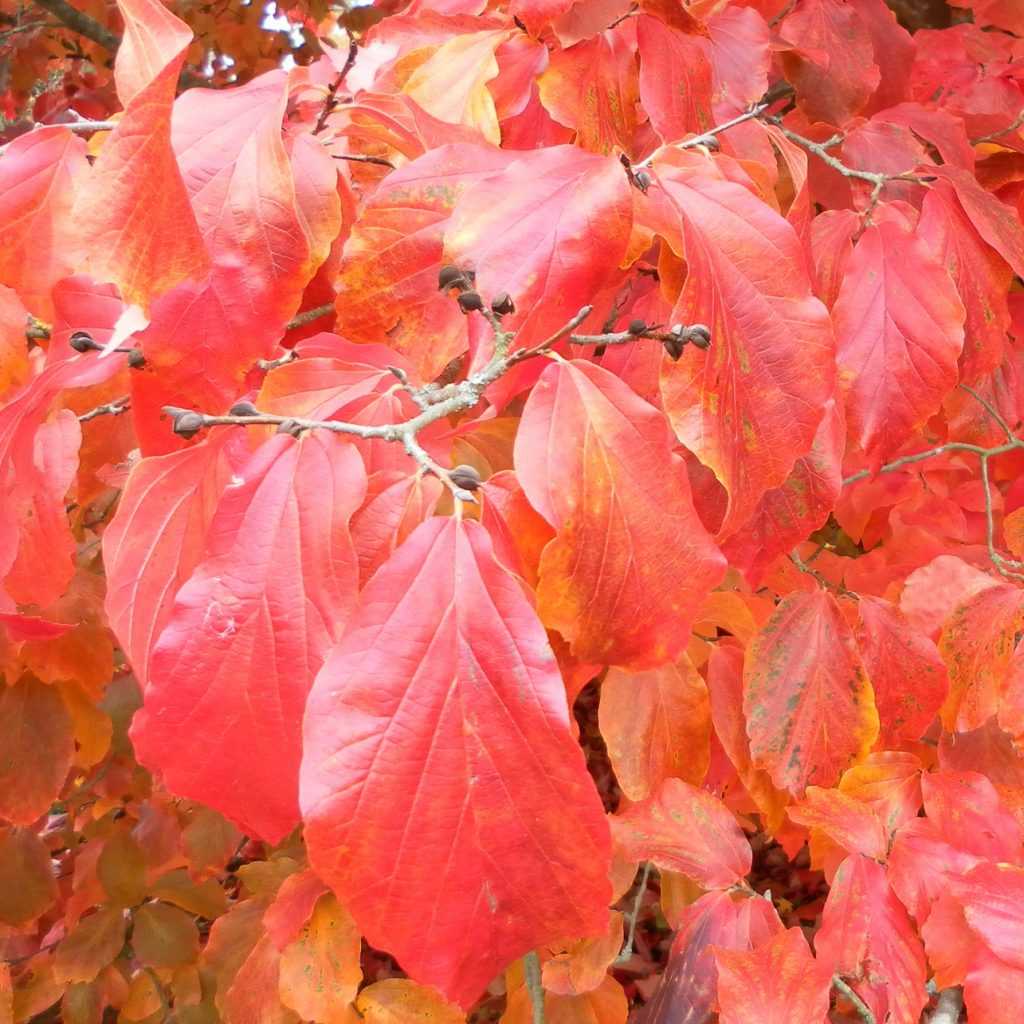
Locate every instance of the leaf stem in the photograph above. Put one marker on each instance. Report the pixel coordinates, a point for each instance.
(634, 914)
(531, 974)
(862, 1008)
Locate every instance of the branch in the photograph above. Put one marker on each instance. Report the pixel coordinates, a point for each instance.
(81, 23)
(75, 20)
(862, 1008)
(627, 949)
(439, 402)
(331, 99)
(708, 137)
(992, 136)
(308, 316)
(360, 159)
(1006, 567)
(531, 974)
(114, 408)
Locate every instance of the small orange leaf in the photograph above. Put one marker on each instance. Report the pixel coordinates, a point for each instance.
(582, 967)
(402, 1001)
(164, 936)
(777, 983)
(29, 886)
(94, 943)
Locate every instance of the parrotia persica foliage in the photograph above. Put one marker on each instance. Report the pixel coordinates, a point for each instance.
(493, 485)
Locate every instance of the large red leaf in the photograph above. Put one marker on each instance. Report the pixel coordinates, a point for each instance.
(867, 937)
(229, 675)
(899, 332)
(205, 335)
(534, 230)
(38, 172)
(808, 701)
(133, 222)
(750, 405)
(445, 801)
(624, 576)
(155, 541)
(777, 983)
(388, 290)
(686, 829)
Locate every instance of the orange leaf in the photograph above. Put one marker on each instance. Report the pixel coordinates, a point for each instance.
(320, 970)
(401, 1001)
(95, 941)
(808, 702)
(30, 888)
(582, 967)
(37, 741)
(133, 222)
(623, 578)
(688, 830)
(657, 725)
(777, 983)
(851, 824)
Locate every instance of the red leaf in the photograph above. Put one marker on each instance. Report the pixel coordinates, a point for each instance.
(593, 88)
(899, 330)
(977, 645)
(829, 89)
(685, 829)
(248, 631)
(679, 103)
(750, 405)
(38, 172)
(718, 920)
(785, 515)
(133, 222)
(440, 782)
(850, 823)
(624, 577)
(155, 541)
(532, 231)
(388, 281)
(867, 937)
(808, 702)
(905, 669)
(656, 725)
(779, 982)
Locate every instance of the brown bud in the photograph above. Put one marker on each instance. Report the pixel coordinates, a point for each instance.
(243, 409)
(188, 424)
(637, 327)
(468, 301)
(674, 347)
(699, 335)
(289, 427)
(136, 360)
(449, 277)
(465, 477)
(82, 341)
(643, 181)
(503, 304)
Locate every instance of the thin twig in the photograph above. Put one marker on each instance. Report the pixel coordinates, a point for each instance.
(531, 974)
(991, 410)
(114, 408)
(992, 136)
(627, 949)
(704, 138)
(544, 346)
(331, 99)
(360, 159)
(862, 1008)
(81, 23)
(308, 316)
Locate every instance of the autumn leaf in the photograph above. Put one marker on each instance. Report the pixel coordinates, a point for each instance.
(280, 529)
(808, 702)
(622, 579)
(457, 777)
